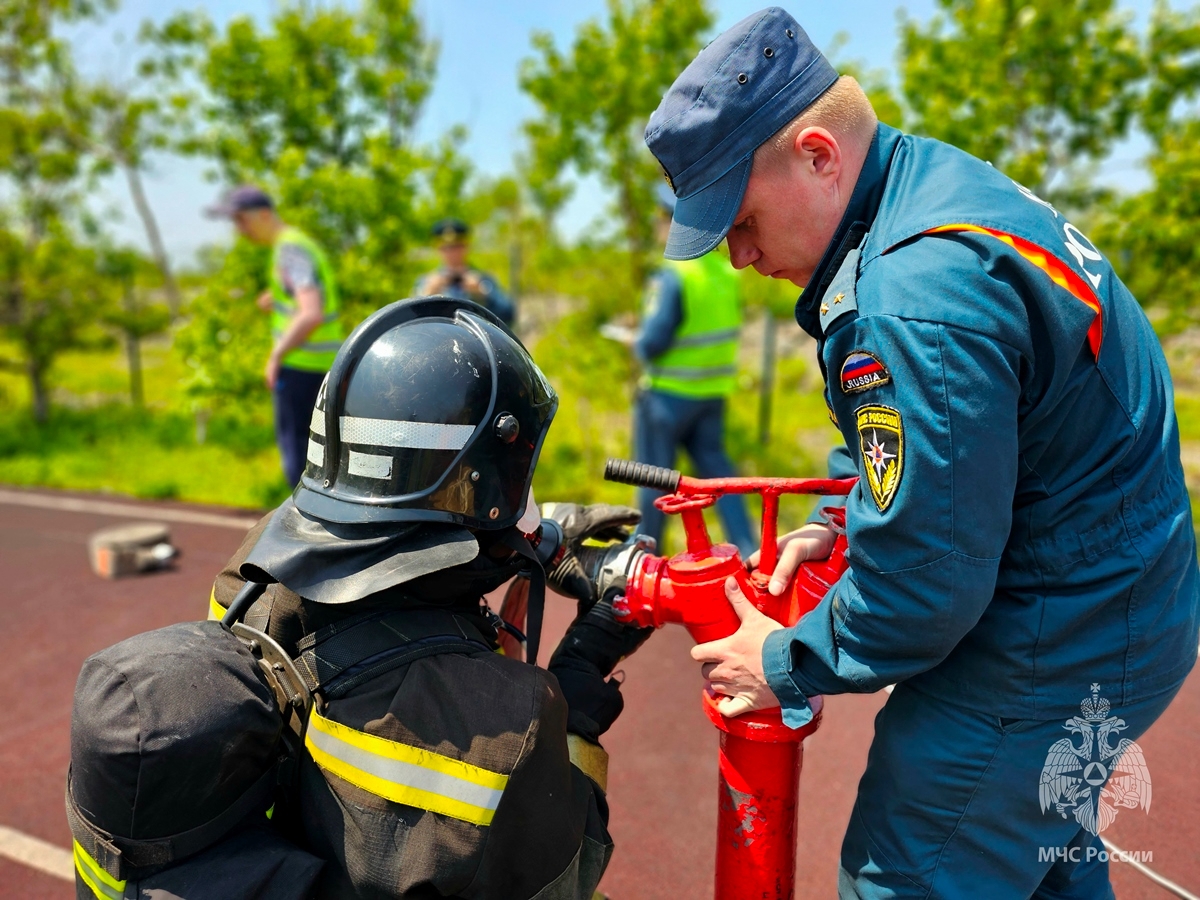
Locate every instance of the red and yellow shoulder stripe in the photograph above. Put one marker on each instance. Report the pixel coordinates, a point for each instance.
(1054, 268)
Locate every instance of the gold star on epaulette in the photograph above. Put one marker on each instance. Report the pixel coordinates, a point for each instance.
(839, 298)
(824, 309)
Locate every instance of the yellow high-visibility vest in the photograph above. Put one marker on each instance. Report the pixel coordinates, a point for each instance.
(702, 359)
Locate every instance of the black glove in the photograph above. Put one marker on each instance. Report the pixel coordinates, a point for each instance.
(593, 645)
(569, 572)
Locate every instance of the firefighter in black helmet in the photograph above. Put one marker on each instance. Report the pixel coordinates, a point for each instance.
(433, 765)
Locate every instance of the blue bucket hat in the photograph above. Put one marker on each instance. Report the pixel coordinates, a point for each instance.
(741, 89)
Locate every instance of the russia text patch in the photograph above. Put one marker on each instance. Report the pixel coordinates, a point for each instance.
(862, 371)
(881, 442)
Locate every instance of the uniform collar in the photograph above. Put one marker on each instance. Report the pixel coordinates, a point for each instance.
(856, 222)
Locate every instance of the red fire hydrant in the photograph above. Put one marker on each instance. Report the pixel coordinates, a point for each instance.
(760, 757)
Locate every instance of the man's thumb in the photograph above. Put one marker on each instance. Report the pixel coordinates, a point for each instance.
(739, 601)
(733, 706)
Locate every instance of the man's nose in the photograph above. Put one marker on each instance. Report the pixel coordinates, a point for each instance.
(742, 251)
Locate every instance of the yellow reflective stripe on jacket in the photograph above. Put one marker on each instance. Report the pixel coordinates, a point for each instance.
(215, 610)
(103, 885)
(590, 759)
(405, 774)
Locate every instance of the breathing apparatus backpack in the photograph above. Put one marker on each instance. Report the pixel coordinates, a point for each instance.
(176, 744)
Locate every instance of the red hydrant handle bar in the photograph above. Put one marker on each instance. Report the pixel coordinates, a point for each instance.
(719, 486)
(671, 481)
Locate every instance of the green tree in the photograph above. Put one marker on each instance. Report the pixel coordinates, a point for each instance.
(46, 299)
(1151, 236)
(595, 99)
(50, 300)
(129, 127)
(318, 106)
(126, 271)
(1038, 89)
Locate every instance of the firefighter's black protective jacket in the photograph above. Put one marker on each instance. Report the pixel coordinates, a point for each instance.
(450, 776)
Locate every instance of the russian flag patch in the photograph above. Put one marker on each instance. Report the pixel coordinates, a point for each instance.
(862, 371)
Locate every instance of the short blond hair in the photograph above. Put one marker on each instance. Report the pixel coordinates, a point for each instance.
(844, 110)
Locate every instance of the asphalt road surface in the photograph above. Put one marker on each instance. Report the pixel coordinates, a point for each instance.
(662, 779)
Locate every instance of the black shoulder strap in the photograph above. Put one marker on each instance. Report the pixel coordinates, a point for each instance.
(338, 658)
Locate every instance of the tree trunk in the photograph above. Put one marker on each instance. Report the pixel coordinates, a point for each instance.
(37, 384)
(133, 351)
(635, 234)
(157, 248)
(514, 257)
(767, 387)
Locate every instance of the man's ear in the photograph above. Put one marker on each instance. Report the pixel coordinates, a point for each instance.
(820, 151)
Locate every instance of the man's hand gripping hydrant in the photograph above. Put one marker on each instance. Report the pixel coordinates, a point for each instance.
(733, 666)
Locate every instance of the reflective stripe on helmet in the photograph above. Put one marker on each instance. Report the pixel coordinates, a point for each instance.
(103, 885)
(409, 435)
(391, 433)
(405, 774)
(316, 453)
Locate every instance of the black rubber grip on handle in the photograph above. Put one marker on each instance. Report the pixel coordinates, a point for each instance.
(626, 471)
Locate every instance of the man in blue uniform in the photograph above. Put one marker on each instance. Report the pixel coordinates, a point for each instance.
(688, 344)
(456, 278)
(1020, 537)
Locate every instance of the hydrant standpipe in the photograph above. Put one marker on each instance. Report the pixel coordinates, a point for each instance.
(760, 757)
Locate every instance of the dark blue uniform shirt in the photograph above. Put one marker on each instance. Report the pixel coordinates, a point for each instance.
(662, 313)
(490, 295)
(1021, 528)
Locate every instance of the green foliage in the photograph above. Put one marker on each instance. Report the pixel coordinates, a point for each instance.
(325, 83)
(1152, 236)
(227, 339)
(594, 102)
(46, 296)
(1038, 89)
(1173, 59)
(50, 301)
(318, 106)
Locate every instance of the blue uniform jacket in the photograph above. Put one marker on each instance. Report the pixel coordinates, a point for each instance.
(491, 296)
(1021, 528)
(662, 313)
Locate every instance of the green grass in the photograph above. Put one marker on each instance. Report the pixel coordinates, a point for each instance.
(113, 449)
(96, 441)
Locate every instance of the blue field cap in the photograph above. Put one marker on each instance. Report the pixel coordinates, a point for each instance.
(741, 89)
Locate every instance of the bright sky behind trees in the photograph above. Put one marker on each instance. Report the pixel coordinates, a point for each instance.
(482, 44)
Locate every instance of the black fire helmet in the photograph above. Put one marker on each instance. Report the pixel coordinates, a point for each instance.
(433, 411)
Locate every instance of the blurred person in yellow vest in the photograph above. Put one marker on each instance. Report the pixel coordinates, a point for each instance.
(302, 299)
(456, 278)
(688, 345)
